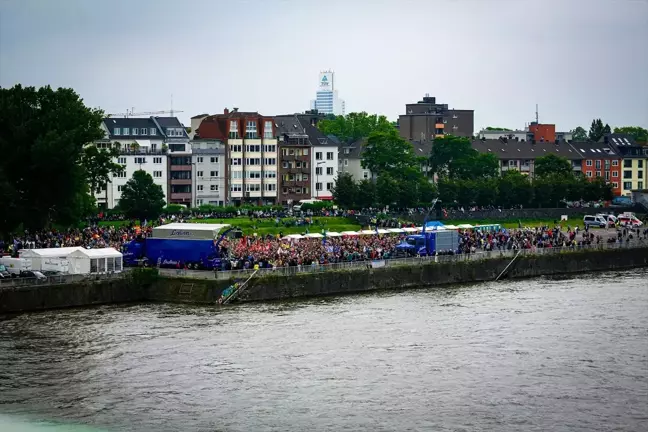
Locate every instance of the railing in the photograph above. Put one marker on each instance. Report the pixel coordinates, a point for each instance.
(413, 261)
(22, 282)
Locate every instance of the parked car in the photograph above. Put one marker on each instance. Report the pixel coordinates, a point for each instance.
(594, 221)
(4, 273)
(33, 274)
(630, 221)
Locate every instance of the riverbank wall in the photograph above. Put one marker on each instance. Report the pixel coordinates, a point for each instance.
(427, 273)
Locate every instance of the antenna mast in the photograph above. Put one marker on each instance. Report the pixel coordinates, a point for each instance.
(537, 117)
(171, 104)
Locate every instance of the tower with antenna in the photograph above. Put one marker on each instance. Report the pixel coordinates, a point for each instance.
(537, 116)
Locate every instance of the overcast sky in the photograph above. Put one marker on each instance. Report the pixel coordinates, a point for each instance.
(578, 59)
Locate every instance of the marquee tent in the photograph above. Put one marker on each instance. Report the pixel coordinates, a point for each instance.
(92, 261)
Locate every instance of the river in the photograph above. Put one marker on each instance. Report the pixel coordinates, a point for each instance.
(533, 355)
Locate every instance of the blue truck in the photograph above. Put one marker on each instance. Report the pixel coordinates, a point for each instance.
(429, 243)
(174, 244)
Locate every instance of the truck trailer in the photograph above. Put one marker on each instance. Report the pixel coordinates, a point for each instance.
(429, 243)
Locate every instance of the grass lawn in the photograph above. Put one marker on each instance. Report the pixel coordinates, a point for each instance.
(268, 226)
(514, 223)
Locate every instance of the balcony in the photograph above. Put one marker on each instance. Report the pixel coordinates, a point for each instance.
(180, 196)
(295, 170)
(439, 125)
(438, 136)
(141, 151)
(180, 167)
(180, 181)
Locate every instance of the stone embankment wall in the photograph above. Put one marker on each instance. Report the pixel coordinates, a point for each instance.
(270, 287)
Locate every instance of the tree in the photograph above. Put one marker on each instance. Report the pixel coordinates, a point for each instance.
(46, 164)
(345, 190)
(579, 134)
(493, 128)
(141, 198)
(514, 188)
(638, 133)
(366, 197)
(99, 164)
(354, 126)
(598, 130)
(387, 152)
(386, 190)
(552, 164)
(455, 158)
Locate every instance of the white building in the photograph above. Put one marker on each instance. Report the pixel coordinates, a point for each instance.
(143, 145)
(327, 100)
(209, 167)
(324, 160)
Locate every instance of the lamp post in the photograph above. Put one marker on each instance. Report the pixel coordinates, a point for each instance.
(194, 185)
(317, 178)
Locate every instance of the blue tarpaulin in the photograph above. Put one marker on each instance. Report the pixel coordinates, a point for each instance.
(434, 224)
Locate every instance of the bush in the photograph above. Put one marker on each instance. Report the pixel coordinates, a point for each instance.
(317, 206)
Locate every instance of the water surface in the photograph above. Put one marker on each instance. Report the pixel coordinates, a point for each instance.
(533, 355)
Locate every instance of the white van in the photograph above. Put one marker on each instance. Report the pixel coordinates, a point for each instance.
(15, 265)
(594, 221)
(305, 201)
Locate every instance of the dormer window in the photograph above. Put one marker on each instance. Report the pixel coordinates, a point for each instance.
(125, 131)
(135, 131)
(117, 131)
(153, 131)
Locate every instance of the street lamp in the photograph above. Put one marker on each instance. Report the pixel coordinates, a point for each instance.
(317, 178)
(194, 185)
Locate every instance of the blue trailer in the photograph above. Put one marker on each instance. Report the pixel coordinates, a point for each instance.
(429, 243)
(173, 244)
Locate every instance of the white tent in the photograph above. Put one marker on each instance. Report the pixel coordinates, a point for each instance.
(451, 227)
(333, 234)
(349, 233)
(314, 235)
(49, 258)
(367, 232)
(294, 236)
(465, 226)
(394, 230)
(383, 231)
(90, 261)
(410, 229)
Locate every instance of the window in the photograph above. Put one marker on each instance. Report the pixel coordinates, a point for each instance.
(199, 173)
(199, 188)
(213, 159)
(236, 148)
(270, 174)
(121, 160)
(347, 150)
(267, 129)
(640, 175)
(615, 185)
(236, 188)
(135, 131)
(329, 186)
(270, 161)
(346, 162)
(640, 185)
(271, 148)
(253, 174)
(237, 174)
(270, 187)
(117, 131)
(589, 173)
(121, 174)
(607, 175)
(598, 164)
(365, 174)
(329, 171)
(253, 161)
(305, 152)
(627, 163)
(627, 185)
(588, 163)
(181, 175)
(318, 171)
(252, 148)
(199, 202)
(627, 174)
(213, 173)
(157, 174)
(120, 188)
(640, 165)
(598, 173)
(318, 155)
(615, 163)
(329, 155)
(125, 131)
(152, 131)
(143, 131)
(140, 160)
(252, 187)
(213, 188)
(234, 132)
(615, 173)
(199, 159)
(318, 186)
(251, 130)
(157, 160)
(235, 161)
(607, 164)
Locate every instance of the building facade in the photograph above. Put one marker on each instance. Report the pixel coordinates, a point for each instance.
(295, 168)
(251, 152)
(634, 173)
(425, 120)
(327, 100)
(208, 161)
(144, 144)
(601, 160)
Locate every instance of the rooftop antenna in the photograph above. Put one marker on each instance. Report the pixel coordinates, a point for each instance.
(171, 104)
(537, 121)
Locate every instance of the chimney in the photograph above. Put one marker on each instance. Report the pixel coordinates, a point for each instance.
(225, 111)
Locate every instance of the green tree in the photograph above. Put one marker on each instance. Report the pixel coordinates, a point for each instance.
(354, 126)
(494, 128)
(638, 133)
(387, 152)
(141, 198)
(598, 130)
(387, 190)
(427, 191)
(514, 188)
(579, 134)
(46, 165)
(345, 190)
(552, 164)
(99, 164)
(455, 158)
(486, 192)
(366, 194)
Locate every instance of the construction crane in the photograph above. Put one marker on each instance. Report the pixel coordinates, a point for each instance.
(130, 113)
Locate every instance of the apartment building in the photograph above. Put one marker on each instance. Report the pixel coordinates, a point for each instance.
(535, 131)
(251, 154)
(634, 159)
(425, 120)
(350, 159)
(295, 168)
(600, 160)
(209, 161)
(144, 145)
